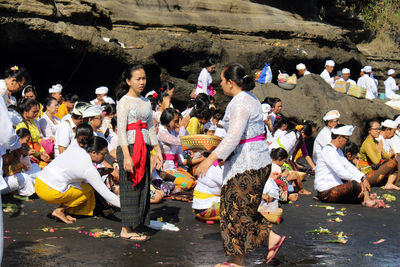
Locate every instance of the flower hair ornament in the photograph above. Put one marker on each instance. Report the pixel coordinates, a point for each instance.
(15, 68)
(161, 89)
(155, 95)
(299, 127)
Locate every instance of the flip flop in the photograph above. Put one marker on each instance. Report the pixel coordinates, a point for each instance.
(229, 264)
(276, 248)
(132, 238)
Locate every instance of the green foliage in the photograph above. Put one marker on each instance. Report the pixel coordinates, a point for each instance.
(383, 15)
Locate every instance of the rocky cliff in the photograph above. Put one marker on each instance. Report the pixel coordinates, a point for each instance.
(65, 40)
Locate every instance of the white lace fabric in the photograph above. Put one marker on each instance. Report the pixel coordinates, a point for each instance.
(130, 110)
(243, 120)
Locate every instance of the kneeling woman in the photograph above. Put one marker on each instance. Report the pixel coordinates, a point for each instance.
(63, 181)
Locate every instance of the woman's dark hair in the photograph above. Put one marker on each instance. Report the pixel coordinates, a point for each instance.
(209, 62)
(351, 148)
(308, 128)
(72, 98)
(18, 73)
(30, 88)
(95, 144)
(167, 86)
(167, 116)
(123, 87)
(23, 132)
(114, 123)
(279, 122)
(153, 102)
(237, 73)
(368, 127)
(47, 102)
(279, 153)
(161, 95)
(26, 104)
(109, 109)
(84, 129)
(203, 114)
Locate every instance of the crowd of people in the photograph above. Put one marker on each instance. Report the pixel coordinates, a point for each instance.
(366, 79)
(104, 155)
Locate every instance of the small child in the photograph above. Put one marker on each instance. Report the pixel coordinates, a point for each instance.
(279, 156)
(351, 150)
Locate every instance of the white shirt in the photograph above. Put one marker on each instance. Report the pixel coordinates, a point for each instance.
(369, 84)
(386, 145)
(277, 134)
(220, 132)
(73, 167)
(204, 81)
(332, 167)
(348, 81)
(243, 120)
(394, 142)
(323, 138)
(4, 92)
(306, 73)
(47, 127)
(211, 183)
(107, 100)
(390, 87)
(327, 77)
(112, 139)
(7, 137)
(288, 142)
(64, 135)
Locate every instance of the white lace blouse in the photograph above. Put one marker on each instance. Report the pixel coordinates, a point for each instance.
(243, 120)
(130, 110)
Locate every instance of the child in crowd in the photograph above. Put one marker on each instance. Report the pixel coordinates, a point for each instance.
(287, 192)
(351, 150)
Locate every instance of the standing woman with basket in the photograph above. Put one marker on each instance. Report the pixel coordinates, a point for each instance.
(247, 168)
(137, 137)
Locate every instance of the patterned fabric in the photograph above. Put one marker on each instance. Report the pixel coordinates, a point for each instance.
(344, 193)
(183, 179)
(135, 200)
(283, 188)
(200, 142)
(211, 214)
(243, 229)
(377, 177)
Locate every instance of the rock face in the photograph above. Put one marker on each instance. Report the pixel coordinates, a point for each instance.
(313, 97)
(172, 38)
(62, 41)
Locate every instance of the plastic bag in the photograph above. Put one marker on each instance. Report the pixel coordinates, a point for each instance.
(266, 75)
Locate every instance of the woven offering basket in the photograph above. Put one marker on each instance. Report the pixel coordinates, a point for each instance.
(200, 142)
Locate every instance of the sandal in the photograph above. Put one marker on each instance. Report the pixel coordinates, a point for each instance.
(276, 248)
(229, 264)
(136, 238)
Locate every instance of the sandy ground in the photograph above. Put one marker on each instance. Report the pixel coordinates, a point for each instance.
(199, 244)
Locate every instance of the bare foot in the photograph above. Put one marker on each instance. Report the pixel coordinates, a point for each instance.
(372, 204)
(133, 236)
(61, 215)
(293, 197)
(72, 219)
(391, 186)
(304, 192)
(273, 240)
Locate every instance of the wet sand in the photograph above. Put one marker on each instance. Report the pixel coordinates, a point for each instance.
(199, 244)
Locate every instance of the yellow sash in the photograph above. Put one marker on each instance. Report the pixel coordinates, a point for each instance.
(201, 195)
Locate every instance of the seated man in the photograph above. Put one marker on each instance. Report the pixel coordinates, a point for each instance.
(333, 167)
